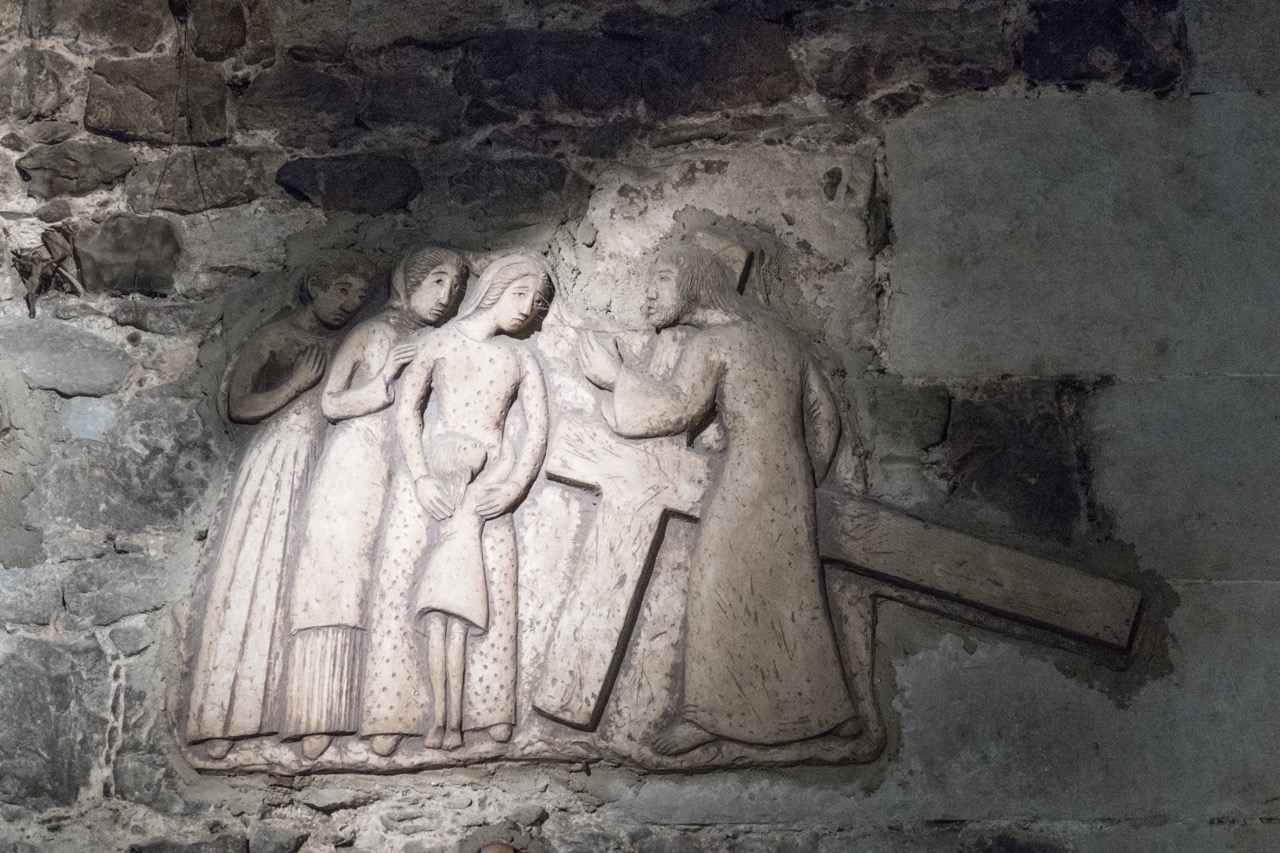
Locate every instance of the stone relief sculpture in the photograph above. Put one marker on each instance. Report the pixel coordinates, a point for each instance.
(548, 537)
(339, 530)
(469, 477)
(271, 381)
(760, 659)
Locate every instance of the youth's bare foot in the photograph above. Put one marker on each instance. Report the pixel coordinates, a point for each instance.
(501, 733)
(680, 738)
(385, 745)
(217, 748)
(452, 739)
(435, 737)
(314, 746)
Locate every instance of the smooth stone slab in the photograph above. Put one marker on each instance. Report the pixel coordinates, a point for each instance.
(1234, 45)
(1187, 468)
(1085, 235)
(62, 358)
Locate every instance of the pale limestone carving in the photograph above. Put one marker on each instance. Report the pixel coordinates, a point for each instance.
(339, 531)
(679, 590)
(469, 477)
(272, 380)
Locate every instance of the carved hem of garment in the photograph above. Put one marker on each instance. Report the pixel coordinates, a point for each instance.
(323, 681)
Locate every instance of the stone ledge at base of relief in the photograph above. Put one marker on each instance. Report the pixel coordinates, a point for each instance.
(477, 527)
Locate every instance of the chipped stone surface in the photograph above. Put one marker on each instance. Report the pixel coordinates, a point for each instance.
(198, 179)
(129, 254)
(147, 473)
(127, 24)
(157, 100)
(53, 724)
(35, 83)
(63, 358)
(74, 167)
(217, 28)
(1017, 253)
(299, 100)
(358, 183)
(29, 596)
(106, 590)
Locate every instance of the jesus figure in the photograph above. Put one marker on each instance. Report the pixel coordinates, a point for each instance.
(761, 664)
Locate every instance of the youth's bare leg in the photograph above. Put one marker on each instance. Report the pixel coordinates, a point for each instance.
(436, 676)
(457, 652)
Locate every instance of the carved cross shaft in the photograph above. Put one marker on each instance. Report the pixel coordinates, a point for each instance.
(641, 482)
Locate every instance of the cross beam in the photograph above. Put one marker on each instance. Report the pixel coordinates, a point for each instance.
(641, 482)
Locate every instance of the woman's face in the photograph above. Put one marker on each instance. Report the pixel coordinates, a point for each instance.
(338, 302)
(431, 297)
(518, 304)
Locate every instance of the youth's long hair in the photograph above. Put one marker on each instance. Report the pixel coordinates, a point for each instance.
(501, 274)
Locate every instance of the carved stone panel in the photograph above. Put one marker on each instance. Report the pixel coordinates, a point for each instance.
(484, 526)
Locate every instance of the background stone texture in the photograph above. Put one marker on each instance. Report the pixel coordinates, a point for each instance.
(1031, 239)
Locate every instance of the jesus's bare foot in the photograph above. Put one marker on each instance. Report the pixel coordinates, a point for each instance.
(217, 748)
(680, 738)
(314, 746)
(435, 737)
(452, 738)
(385, 745)
(501, 733)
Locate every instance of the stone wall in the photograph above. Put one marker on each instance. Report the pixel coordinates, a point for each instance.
(1029, 239)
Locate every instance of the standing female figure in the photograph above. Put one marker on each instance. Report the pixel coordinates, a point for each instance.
(272, 380)
(328, 612)
(469, 477)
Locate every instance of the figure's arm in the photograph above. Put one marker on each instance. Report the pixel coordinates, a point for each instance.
(498, 498)
(248, 406)
(643, 407)
(821, 422)
(414, 387)
(341, 400)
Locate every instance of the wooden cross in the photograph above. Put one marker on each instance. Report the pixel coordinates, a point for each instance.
(641, 482)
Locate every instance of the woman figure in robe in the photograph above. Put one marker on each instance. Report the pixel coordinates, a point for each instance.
(469, 478)
(271, 381)
(329, 613)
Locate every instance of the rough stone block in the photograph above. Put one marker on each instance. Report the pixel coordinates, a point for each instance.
(62, 358)
(74, 168)
(35, 83)
(277, 837)
(104, 591)
(403, 91)
(1074, 236)
(216, 28)
(221, 844)
(53, 719)
(52, 132)
(302, 98)
(1136, 45)
(1187, 468)
(708, 63)
(360, 183)
(528, 69)
(157, 99)
(376, 25)
(147, 474)
(136, 24)
(856, 53)
(312, 29)
(128, 254)
(196, 180)
(29, 596)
